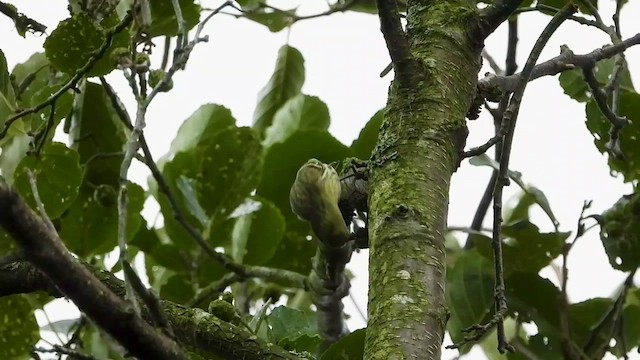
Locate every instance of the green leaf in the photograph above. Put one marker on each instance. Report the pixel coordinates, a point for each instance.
(19, 331)
(469, 294)
(532, 192)
(97, 134)
(14, 149)
(295, 250)
(368, 138)
(298, 113)
(163, 17)
(187, 188)
(7, 96)
(620, 233)
(177, 289)
(284, 159)
(91, 224)
(294, 329)
(58, 177)
(274, 20)
(573, 84)
(525, 247)
(285, 83)
(187, 164)
(585, 316)
(599, 126)
(201, 127)
(76, 39)
(229, 171)
(534, 299)
(266, 229)
(350, 347)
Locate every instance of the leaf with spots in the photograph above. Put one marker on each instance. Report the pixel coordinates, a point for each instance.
(90, 226)
(230, 169)
(285, 83)
(199, 128)
(599, 127)
(163, 17)
(19, 331)
(58, 177)
(469, 294)
(74, 41)
(298, 113)
(97, 134)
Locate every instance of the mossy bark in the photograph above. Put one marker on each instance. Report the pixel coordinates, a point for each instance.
(418, 150)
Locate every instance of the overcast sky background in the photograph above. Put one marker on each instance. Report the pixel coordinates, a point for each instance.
(344, 53)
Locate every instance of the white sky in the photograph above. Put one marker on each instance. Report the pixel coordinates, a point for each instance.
(344, 54)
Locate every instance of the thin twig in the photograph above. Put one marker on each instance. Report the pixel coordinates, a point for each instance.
(404, 65)
(565, 61)
(97, 55)
(475, 332)
(58, 349)
(22, 22)
(39, 203)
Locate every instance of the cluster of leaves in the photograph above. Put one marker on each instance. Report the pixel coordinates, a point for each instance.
(231, 183)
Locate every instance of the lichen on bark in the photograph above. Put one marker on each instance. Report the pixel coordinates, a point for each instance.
(418, 150)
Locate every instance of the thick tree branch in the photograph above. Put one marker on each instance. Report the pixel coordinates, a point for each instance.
(404, 64)
(42, 247)
(565, 61)
(495, 14)
(194, 328)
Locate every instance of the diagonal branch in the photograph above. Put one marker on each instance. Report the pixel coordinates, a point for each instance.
(565, 61)
(495, 14)
(404, 65)
(42, 247)
(194, 328)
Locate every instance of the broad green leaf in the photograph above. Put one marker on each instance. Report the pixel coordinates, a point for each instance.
(14, 149)
(171, 257)
(285, 83)
(177, 289)
(350, 347)
(584, 317)
(298, 113)
(294, 329)
(368, 138)
(524, 248)
(7, 97)
(266, 228)
(542, 347)
(532, 191)
(187, 188)
(97, 134)
(62, 326)
(187, 164)
(599, 126)
(163, 17)
(573, 84)
(273, 20)
(229, 171)
(620, 233)
(18, 327)
(70, 46)
(520, 211)
(58, 177)
(469, 294)
(284, 159)
(534, 299)
(91, 224)
(35, 81)
(199, 128)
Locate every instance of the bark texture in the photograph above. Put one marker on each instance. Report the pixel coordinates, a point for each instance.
(418, 150)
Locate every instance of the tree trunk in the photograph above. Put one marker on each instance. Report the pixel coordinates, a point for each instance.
(418, 150)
